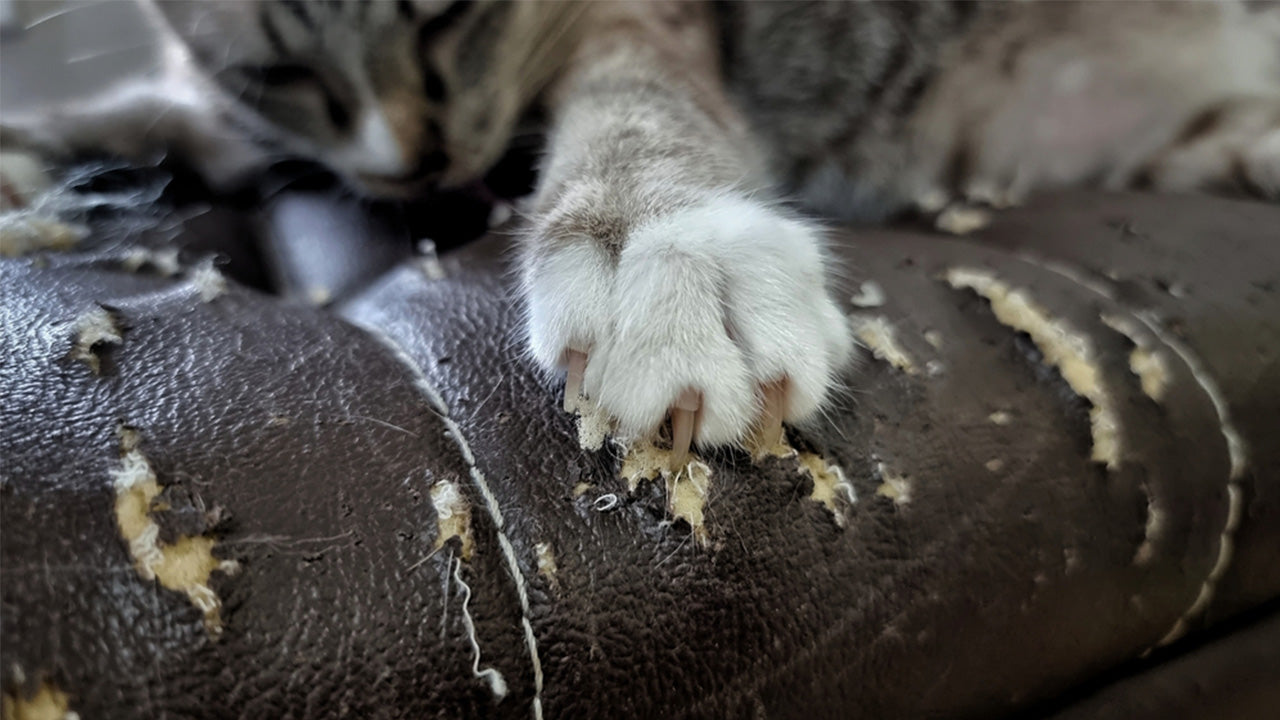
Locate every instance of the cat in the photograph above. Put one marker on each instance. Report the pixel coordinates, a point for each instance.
(661, 270)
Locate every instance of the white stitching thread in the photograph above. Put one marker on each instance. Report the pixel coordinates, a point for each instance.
(491, 506)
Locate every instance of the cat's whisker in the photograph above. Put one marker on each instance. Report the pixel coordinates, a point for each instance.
(108, 52)
(55, 14)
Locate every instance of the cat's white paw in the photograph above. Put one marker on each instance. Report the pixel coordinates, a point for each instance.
(720, 309)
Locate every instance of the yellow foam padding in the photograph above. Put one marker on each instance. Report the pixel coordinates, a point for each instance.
(184, 565)
(47, 703)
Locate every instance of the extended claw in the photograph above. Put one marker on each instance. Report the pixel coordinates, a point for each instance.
(577, 362)
(684, 419)
(769, 426)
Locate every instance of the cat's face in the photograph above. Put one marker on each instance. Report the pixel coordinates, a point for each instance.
(392, 95)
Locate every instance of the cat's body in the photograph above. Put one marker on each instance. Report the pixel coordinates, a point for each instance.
(658, 265)
(994, 99)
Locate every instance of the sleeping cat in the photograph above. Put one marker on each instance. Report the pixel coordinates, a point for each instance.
(659, 267)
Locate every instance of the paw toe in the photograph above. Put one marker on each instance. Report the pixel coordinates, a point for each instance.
(717, 317)
(566, 293)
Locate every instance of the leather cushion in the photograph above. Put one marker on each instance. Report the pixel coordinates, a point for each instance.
(985, 565)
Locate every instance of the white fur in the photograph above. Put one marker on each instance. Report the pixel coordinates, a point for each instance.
(568, 295)
(374, 149)
(719, 297)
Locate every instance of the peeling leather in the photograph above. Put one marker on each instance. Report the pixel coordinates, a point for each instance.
(986, 593)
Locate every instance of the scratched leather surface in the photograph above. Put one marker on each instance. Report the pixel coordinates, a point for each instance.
(983, 593)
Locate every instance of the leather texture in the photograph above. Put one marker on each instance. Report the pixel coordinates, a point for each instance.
(987, 565)
(1232, 677)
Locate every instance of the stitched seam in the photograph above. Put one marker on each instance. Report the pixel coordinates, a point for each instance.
(490, 502)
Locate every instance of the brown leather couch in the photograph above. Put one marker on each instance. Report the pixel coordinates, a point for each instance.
(1051, 489)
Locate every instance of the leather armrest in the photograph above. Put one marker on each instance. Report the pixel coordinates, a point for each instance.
(1055, 456)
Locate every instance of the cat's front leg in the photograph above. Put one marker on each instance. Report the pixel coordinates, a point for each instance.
(659, 276)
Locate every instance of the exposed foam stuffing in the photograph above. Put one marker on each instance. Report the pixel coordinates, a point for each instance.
(429, 260)
(23, 176)
(1062, 347)
(1151, 370)
(687, 487)
(1145, 361)
(643, 461)
(880, 337)
(546, 560)
(46, 703)
(959, 219)
(207, 281)
(453, 516)
(893, 485)
(163, 260)
(829, 483)
(870, 295)
(594, 425)
(93, 328)
(687, 496)
(47, 212)
(23, 233)
(185, 565)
